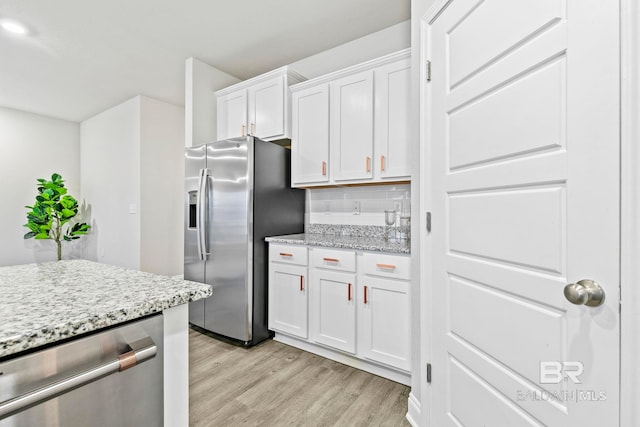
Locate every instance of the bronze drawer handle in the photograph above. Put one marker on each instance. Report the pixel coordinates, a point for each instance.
(386, 266)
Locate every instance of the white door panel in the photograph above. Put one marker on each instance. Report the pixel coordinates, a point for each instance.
(524, 170)
(288, 302)
(505, 24)
(266, 108)
(351, 101)
(310, 136)
(385, 320)
(392, 120)
(498, 216)
(334, 309)
(232, 115)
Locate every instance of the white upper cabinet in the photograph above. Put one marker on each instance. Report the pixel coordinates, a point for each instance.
(392, 120)
(351, 124)
(310, 128)
(267, 113)
(368, 127)
(232, 115)
(258, 106)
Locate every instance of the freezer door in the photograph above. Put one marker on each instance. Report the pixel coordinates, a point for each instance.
(228, 267)
(194, 266)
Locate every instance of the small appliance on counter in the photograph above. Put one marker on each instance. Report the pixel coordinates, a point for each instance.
(237, 192)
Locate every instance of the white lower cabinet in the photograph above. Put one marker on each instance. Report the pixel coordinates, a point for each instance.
(333, 309)
(356, 306)
(385, 331)
(288, 290)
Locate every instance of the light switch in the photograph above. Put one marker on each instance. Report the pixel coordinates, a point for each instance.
(133, 209)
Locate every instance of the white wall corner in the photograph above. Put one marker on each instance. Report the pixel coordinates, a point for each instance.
(414, 414)
(201, 81)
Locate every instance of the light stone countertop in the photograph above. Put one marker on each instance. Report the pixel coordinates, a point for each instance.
(362, 243)
(47, 302)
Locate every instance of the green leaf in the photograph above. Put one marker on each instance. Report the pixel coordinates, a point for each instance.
(29, 235)
(56, 177)
(42, 236)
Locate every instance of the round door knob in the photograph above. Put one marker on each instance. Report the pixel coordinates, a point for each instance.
(584, 292)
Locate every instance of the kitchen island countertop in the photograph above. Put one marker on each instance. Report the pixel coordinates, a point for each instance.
(48, 302)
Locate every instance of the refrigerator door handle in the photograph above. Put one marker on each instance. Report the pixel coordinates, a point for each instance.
(202, 210)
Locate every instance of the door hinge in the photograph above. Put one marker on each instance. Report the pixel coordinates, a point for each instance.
(428, 222)
(428, 71)
(428, 372)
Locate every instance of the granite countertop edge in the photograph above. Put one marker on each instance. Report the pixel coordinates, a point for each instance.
(343, 242)
(37, 334)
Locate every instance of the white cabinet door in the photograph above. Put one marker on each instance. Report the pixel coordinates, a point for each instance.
(392, 120)
(384, 321)
(266, 102)
(310, 136)
(334, 309)
(352, 127)
(288, 303)
(232, 115)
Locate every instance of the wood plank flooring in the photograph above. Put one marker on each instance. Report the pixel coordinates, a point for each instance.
(274, 384)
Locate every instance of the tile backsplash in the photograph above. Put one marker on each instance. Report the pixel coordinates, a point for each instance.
(356, 205)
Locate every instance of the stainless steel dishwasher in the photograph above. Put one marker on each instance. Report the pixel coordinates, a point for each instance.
(110, 378)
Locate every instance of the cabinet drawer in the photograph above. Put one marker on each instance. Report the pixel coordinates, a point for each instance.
(288, 254)
(385, 265)
(334, 259)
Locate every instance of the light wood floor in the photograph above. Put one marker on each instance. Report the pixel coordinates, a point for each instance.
(273, 384)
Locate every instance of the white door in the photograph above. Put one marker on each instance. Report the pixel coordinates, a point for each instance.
(266, 108)
(522, 119)
(352, 127)
(288, 302)
(232, 115)
(310, 136)
(333, 309)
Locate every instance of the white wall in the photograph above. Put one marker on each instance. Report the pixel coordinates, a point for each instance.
(31, 147)
(201, 81)
(374, 45)
(110, 158)
(132, 158)
(162, 185)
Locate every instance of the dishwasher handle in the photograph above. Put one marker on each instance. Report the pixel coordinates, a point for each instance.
(142, 350)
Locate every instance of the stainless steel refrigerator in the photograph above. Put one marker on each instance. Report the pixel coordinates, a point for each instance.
(237, 192)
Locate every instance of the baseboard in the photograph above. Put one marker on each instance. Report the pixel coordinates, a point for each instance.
(374, 368)
(414, 414)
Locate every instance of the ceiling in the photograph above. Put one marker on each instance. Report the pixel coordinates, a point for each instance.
(84, 56)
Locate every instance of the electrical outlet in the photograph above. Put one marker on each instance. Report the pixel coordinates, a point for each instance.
(356, 207)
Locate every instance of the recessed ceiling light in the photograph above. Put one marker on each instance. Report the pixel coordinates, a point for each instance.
(14, 27)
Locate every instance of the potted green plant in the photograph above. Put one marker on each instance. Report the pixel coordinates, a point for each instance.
(50, 216)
